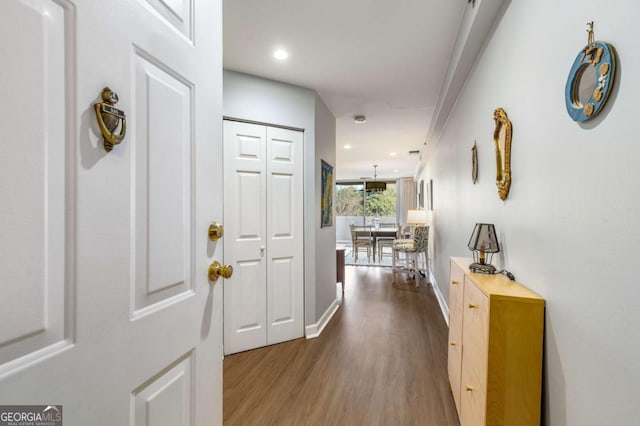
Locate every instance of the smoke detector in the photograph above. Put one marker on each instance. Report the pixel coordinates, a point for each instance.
(359, 119)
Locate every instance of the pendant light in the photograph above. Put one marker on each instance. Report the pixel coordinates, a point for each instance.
(374, 185)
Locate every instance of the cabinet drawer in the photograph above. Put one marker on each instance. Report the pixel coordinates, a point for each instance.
(456, 285)
(475, 342)
(456, 299)
(454, 361)
(473, 402)
(454, 364)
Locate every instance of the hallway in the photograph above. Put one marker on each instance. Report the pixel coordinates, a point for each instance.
(381, 360)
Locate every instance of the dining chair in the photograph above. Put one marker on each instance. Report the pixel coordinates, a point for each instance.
(387, 242)
(361, 238)
(410, 248)
(405, 233)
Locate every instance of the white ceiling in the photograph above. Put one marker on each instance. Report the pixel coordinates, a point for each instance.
(381, 58)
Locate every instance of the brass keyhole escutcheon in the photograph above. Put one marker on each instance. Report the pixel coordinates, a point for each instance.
(216, 270)
(216, 231)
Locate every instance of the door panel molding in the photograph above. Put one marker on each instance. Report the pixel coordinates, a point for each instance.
(37, 177)
(167, 398)
(176, 14)
(162, 191)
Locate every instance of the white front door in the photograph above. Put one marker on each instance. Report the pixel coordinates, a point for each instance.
(105, 305)
(264, 220)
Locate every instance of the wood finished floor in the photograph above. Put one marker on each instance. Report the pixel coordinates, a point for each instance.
(382, 360)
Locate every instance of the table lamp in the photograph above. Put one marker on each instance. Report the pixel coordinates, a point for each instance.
(483, 241)
(416, 217)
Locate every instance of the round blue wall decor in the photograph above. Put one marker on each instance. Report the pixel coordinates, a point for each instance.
(590, 80)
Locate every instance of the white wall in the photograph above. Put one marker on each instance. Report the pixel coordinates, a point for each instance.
(325, 237)
(569, 229)
(253, 98)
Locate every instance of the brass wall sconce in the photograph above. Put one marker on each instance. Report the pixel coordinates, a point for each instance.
(109, 118)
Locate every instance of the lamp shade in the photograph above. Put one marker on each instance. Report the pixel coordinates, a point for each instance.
(484, 238)
(416, 217)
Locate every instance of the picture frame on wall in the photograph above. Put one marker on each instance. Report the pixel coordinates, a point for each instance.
(421, 194)
(326, 194)
(430, 195)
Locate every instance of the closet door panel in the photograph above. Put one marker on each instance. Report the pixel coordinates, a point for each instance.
(284, 235)
(245, 297)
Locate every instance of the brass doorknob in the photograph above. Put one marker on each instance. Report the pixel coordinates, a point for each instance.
(218, 270)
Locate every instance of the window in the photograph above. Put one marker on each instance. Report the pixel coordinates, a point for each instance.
(382, 205)
(349, 201)
(354, 205)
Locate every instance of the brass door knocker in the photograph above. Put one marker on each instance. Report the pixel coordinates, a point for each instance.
(109, 118)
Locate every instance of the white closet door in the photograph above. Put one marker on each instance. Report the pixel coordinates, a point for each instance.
(245, 298)
(285, 269)
(264, 303)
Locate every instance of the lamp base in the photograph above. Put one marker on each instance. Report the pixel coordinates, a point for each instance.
(482, 268)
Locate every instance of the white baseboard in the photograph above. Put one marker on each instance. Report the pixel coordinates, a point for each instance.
(443, 304)
(314, 330)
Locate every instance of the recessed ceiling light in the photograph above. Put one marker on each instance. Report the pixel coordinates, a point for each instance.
(396, 171)
(347, 147)
(393, 154)
(280, 54)
(359, 119)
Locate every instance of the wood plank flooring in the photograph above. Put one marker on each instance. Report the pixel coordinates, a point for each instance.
(382, 360)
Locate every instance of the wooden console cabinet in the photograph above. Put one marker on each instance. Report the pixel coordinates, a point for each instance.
(495, 348)
(340, 266)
